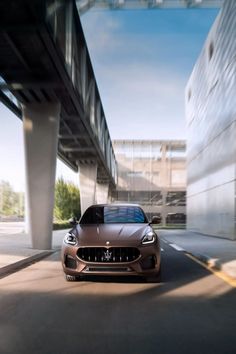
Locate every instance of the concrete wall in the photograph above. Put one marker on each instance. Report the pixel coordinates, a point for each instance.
(211, 121)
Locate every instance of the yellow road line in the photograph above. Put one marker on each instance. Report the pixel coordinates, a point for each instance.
(218, 273)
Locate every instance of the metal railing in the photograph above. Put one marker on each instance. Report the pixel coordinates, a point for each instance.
(62, 17)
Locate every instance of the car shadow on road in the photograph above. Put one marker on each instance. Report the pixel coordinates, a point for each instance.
(185, 313)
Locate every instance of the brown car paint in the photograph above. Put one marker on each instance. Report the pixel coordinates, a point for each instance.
(112, 237)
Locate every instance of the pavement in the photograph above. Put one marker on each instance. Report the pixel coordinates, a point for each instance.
(216, 253)
(16, 251)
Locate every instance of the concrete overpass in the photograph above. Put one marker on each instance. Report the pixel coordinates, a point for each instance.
(85, 5)
(47, 80)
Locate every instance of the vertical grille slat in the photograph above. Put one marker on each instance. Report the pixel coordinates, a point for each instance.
(89, 257)
(108, 255)
(127, 255)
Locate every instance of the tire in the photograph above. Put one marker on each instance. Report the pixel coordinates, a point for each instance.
(71, 277)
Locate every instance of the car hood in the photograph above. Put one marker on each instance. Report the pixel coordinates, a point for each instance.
(116, 234)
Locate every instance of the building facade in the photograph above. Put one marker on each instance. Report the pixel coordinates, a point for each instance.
(211, 121)
(152, 174)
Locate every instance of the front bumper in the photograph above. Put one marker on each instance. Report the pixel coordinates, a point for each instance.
(147, 262)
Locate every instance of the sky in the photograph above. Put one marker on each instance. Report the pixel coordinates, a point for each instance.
(142, 60)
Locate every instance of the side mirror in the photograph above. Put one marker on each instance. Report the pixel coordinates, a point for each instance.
(156, 220)
(72, 221)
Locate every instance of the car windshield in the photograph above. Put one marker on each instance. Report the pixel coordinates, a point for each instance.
(113, 214)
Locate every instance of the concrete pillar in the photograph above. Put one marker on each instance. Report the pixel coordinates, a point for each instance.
(164, 168)
(87, 183)
(41, 125)
(164, 211)
(102, 190)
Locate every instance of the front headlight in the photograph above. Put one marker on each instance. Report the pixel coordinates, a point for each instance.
(70, 239)
(150, 237)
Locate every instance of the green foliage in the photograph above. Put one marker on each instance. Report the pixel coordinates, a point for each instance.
(170, 226)
(11, 202)
(61, 225)
(67, 200)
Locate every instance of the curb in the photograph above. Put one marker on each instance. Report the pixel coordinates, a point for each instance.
(212, 263)
(216, 267)
(23, 263)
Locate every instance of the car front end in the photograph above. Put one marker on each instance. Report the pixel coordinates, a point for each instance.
(134, 251)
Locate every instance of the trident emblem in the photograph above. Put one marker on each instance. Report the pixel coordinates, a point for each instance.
(107, 255)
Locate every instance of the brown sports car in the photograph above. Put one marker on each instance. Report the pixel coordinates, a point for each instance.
(112, 239)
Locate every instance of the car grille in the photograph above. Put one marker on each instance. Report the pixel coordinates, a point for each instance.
(108, 255)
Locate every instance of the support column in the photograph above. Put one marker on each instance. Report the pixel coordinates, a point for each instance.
(164, 211)
(87, 182)
(102, 190)
(164, 181)
(41, 125)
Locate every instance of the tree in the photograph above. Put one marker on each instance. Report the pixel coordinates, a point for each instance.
(20, 204)
(8, 199)
(67, 200)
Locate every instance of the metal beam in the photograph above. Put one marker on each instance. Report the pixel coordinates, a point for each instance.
(85, 5)
(10, 105)
(71, 136)
(77, 149)
(15, 86)
(16, 51)
(68, 161)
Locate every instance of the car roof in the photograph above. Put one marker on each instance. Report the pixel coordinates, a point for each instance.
(115, 204)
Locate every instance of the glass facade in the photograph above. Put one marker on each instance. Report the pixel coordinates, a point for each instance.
(152, 174)
(211, 121)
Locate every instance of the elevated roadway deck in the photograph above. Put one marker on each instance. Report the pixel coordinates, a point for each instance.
(47, 80)
(85, 5)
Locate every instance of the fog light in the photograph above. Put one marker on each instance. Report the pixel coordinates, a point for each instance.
(148, 263)
(70, 262)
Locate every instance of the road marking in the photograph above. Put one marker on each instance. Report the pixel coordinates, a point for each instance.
(176, 247)
(218, 273)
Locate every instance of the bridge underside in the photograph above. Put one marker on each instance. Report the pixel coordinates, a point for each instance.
(85, 5)
(47, 80)
(37, 67)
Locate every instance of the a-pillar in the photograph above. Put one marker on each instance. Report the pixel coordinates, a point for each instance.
(102, 190)
(87, 183)
(41, 125)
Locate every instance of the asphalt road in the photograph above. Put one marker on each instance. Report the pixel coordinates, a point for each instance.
(191, 311)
